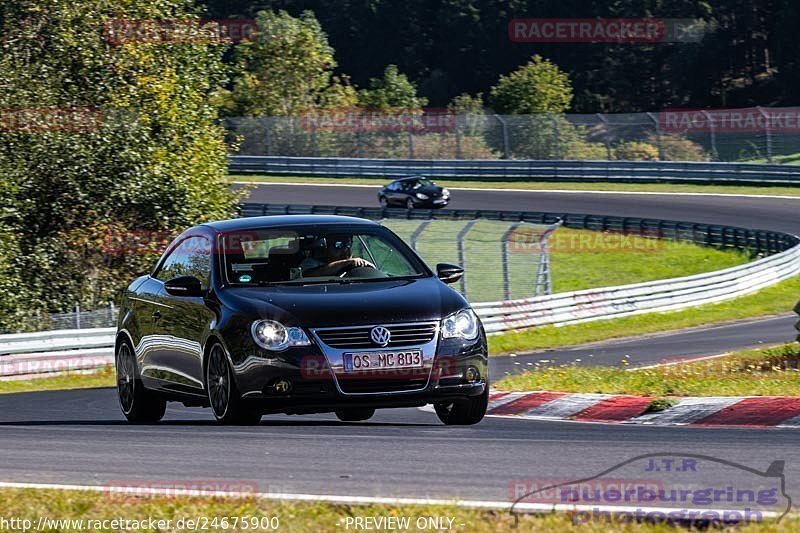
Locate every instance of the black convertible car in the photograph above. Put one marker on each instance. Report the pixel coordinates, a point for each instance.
(298, 314)
(415, 191)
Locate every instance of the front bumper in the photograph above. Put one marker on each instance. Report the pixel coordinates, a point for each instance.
(432, 202)
(315, 387)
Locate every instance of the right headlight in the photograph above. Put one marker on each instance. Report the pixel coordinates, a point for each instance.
(461, 324)
(274, 336)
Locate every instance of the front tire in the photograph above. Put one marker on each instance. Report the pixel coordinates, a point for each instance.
(355, 414)
(224, 397)
(138, 404)
(464, 413)
(409, 204)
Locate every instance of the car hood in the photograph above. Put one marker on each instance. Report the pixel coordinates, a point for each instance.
(433, 190)
(372, 302)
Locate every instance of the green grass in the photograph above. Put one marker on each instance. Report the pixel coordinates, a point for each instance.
(789, 159)
(762, 372)
(540, 185)
(30, 504)
(777, 299)
(582, 259)
(103, 378)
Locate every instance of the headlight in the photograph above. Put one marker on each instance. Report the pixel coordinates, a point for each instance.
(422, 196)
(445, 192)
(274, 336)
(462, 324)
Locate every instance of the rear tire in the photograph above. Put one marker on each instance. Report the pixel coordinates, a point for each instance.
(355, 415)
(383, 201)
(223, 396)
(138, 404)
(464, 413)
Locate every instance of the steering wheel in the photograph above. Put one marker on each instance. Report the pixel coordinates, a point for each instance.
(349, 269)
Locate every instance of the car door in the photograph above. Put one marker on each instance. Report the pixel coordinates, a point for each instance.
(392, 192)
(183, 320)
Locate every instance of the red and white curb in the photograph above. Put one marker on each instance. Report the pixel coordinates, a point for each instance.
(737, 411)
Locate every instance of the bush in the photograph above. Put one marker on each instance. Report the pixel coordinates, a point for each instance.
(580, 149)
(679, 148)
(635, 151)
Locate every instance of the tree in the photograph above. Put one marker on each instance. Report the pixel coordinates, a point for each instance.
(392, 91)
(287, 69)
(116, 136)
(537, 87)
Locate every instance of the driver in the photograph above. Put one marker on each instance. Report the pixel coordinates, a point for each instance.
(336, 258)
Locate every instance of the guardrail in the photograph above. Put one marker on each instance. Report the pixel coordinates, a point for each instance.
(26, 355)
(519, 170)
(760, 242)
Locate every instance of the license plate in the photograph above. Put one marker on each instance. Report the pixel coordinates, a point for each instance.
(359, 362)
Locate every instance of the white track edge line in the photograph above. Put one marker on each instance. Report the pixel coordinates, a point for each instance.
(344, 499)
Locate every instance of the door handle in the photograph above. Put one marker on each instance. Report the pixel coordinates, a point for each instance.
(156, 315)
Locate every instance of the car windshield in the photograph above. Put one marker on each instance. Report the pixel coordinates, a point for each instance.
(423, 182)
(317, 254)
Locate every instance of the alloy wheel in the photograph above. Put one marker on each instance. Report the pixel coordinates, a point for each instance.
(126, 378)
(219, 382)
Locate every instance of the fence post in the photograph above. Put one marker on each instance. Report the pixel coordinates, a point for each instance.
(360, 142)
(268, 137)
(712, 131)
(658, 136)
(555, 135)
(504, 127)
(314, 147)
(77, 316)
(767, 133)
(410, 143)
(462, 257)
(458, 142)
(417, 232)
(607, 138)
(504, 249)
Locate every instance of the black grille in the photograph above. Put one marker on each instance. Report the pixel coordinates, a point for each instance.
(359, 337)
(365, 385)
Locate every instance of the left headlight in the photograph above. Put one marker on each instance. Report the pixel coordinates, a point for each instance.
(274, 336)
(422, 196)
(462, 324)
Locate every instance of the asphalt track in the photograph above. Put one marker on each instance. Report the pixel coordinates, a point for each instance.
(79, 436)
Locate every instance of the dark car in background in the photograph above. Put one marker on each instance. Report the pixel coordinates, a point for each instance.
(415, 191)
(298, 314)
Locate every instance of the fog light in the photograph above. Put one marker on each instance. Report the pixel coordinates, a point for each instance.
(282, 386)
(471, 374)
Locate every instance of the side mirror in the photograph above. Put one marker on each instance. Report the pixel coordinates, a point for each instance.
(184, 286)
(449, 273)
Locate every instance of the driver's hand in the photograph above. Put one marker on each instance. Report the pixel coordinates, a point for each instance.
(360, 262)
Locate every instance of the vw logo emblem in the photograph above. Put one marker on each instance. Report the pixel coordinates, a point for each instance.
(380, 335)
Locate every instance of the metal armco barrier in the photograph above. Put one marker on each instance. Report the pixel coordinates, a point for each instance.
(24, 355)
(521, 170)
(757, 241)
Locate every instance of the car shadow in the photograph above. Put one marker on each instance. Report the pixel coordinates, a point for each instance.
(211, 423)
